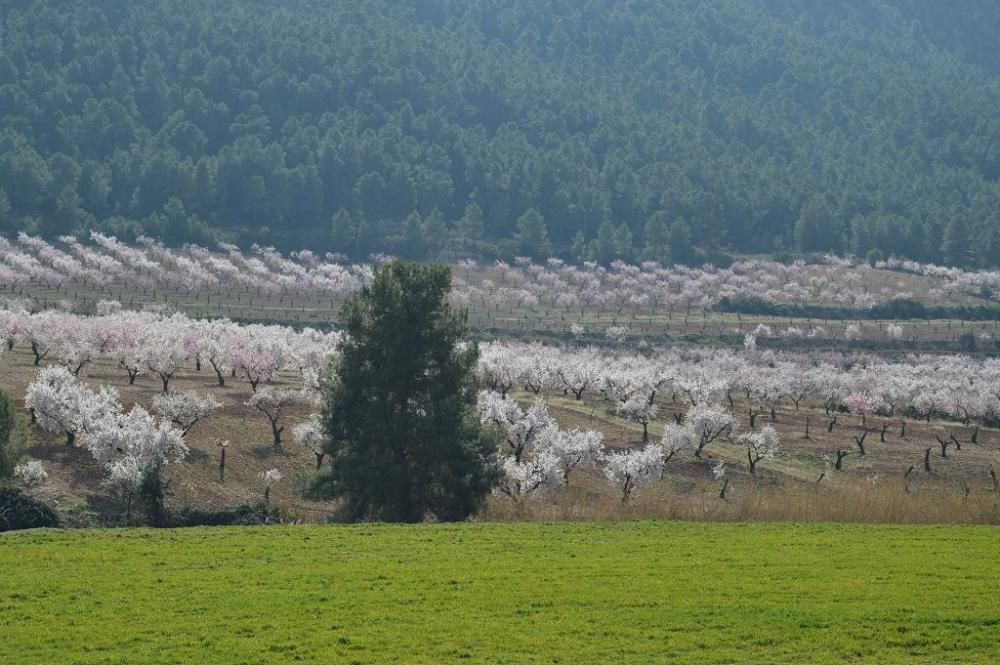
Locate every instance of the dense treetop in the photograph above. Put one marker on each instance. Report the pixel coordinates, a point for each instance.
(598, 129)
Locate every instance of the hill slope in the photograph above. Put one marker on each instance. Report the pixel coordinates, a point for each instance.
(427, 124)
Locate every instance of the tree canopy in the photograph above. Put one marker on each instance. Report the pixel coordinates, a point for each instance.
(400, 414)
(486, 126)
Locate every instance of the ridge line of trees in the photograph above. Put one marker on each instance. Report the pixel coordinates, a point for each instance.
(599, 131)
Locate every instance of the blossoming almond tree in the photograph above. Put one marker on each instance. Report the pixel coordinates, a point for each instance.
(639, 408)
(309, 434)
(269, 478)
(274, 403)
(522, 478)
(708, 422)
(185, 409)
(257, 353)
(164, 354)
(573, 449)
(759, 446)
(522, 429)
(632, 471)
(59, 402)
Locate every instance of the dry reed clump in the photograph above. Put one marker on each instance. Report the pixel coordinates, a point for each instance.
(855, 501)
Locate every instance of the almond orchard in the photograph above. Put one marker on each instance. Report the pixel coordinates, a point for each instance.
(122, 367)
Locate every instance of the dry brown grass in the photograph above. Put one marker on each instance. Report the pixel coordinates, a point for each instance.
(856, 502)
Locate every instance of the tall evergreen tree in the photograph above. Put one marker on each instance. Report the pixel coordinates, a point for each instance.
(471, 226)
(656, 238)
(434, 232)
(400, 407)
(681, 251)
(533, 235)
(342, 231)
(580, 248)
(956, 247)
(11, 438)
(817, 229)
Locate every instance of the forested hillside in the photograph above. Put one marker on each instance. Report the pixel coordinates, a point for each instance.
(601, 129)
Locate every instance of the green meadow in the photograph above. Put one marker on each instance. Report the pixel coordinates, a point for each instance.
(639, 592)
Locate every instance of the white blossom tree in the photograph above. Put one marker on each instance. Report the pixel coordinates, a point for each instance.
(309, 435)
(258, 353)
(574, 449)
(759, 446)
(522, 429)
(708, 422)
(60, 403)
(270, 478)
(632, 471)
(164, 354)
(522, 478)
(184, 408)
(638, 408)
(274, 403)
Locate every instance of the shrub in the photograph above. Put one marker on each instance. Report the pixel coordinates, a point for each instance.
(20, 511)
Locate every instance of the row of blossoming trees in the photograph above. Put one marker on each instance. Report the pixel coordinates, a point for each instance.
(133, 444)
(708, 389)
(717, 390)
(106, 265)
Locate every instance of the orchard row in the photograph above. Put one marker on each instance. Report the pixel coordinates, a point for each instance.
(108, 266)
(717, 389)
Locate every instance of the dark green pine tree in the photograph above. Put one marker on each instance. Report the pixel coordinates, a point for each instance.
(400, 406)
(817, 229)
(11, 438)
(434, 232)
(956, 247)
(533, 235)
(342, 231)
(681, 251)
(656, 239)
(471, 227)
(580, 248)
(414, 245)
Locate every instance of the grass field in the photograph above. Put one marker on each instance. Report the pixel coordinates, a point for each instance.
(639, 592)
